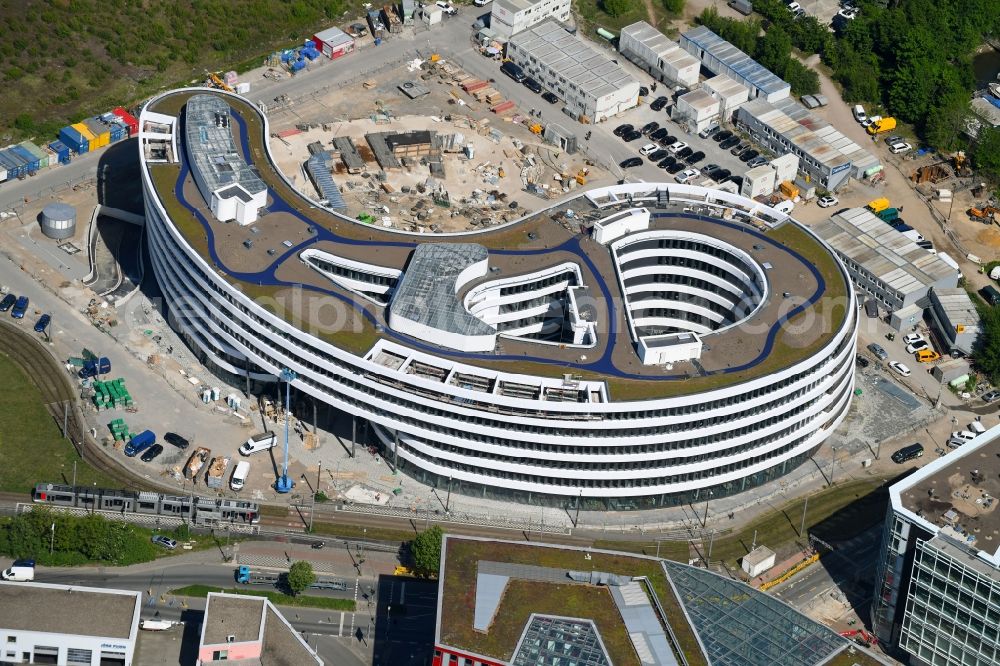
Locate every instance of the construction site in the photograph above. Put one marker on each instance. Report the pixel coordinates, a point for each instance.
(426, 148)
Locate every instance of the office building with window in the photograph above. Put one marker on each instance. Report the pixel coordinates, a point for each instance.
(68, 625)
(937, 582)
(590, 83)
(509, 17)
(618, 349)
(505, 603)
(884, 264)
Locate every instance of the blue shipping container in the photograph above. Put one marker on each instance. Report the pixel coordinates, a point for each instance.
(118, 132)
(33, 163)
(76, 141)
(16, 165)
(61, 150)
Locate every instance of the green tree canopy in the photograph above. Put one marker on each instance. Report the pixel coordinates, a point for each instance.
(426, 550)
(300, 576)
(617, 8)
(674, 6)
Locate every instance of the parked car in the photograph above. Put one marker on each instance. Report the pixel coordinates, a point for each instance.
(622, 129)
(827, 201)
(659, 134)
(152, 452)
(667, 162)
(694, 158)
(900, 368)
(643, 91)
(709, 131)
(659, 103)
(7, 302)
(532, 85)
(721, 175)
(912, 338)
(991, 396)
(710, 169)
(756, 162)
(161, 540)
(668, 141)
(898, 148)
(176, 440)
(631, 162)
(738, 148)
(675, 167)
(749, 155)
(736, 180)
(42, 323)
(684, 153)
(20, 307)
(649, 128)
(687, 176)
(878, 351)
(446, 8)
(481, 3)
(676, 147)
(648, 149)
(862, 361)
(719, 137)
(549, 97)
(914, 347)
(632, 135)
(908, 453)
(658, 155)
(859, 113)
(726, 144)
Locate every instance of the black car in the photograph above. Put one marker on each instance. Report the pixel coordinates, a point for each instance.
(721, 175)
(719, 137)
(684, 152)
(730, 142)
(675, 167)
(695, 157)
(632, 135)
(8, 302)
(666, 162)
(152, 452)
(657, 155)
(749, 155)
(621, 129)
(659, 103)
(862, 361)
(668, 140)
(643, 91)
(710, 169)
(550, 98)
(176, 440)
(649, 128)
(659, 134)
(631, 162)
(532, 85)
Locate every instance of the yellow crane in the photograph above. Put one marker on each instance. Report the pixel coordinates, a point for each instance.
(218, 82)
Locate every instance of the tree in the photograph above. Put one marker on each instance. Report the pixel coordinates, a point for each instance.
(426, 550)
(617, 8)
(986, 157)
(300, 576)
(674, 6)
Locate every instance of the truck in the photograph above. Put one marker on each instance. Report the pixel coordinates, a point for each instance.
(216, 475)
(94, 367)
(196, 462)
(246, 576)
(882, 125)
(21, 571)
(140, 443)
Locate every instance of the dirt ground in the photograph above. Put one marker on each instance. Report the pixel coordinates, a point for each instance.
(477, 193)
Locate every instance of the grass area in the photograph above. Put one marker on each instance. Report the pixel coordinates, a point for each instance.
(459, 596)
(593, 16)
(276, 598)
(164, 177)
(31, 444)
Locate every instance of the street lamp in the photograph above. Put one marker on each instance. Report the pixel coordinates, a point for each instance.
(284, 484)
(704, 523)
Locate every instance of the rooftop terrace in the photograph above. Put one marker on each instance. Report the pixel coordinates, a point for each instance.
(271, 272)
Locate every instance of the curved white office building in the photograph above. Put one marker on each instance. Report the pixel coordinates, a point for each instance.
(637, 345)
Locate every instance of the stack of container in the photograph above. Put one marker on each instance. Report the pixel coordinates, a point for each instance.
(101, 132)
(87, 135)
(32, 161)
(297, 65)
(129, 120)
(310, 52)
(111, 394)
(61, 151)
(119, 430)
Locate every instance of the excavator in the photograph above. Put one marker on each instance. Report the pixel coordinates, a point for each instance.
(986, 214)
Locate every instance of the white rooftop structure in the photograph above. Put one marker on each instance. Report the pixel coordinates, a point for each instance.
(658, 54)
(721, 57)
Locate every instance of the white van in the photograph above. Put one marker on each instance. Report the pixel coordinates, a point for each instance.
(19, 574)
(240, 475)
(859, 113)
(258, 443)
(977, 427)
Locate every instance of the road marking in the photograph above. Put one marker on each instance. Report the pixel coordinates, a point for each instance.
(340, 631)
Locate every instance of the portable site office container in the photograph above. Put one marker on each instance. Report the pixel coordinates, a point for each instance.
(31, 161)
(43, 157)
(61, 151)
(72, 137)
(101, 132)
(87, 135)
(130, 121)
(118, 131)
(3, 174)
(12, 165)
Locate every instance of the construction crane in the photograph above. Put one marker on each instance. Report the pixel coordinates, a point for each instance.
(217, 82)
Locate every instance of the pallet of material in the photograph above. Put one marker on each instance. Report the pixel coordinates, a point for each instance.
(474, 84)
(502, 107)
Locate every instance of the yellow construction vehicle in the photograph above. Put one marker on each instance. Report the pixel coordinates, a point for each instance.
(501, 173)
(218, 82)
(985, 214)
(536, 128)
(581, 176)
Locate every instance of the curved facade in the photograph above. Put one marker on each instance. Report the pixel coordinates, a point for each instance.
(532, 419)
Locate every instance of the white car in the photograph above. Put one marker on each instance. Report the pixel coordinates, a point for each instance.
(870, 120)
(481, 3)
(913, 348)
(900, 368)
(859, 113)
(965, 435)
(849, 12)
(912, 338)
(677, 147)
(794, 7)
(828, 201)
(648, 149)
(446, 8)
(898, 148)
(687, 176)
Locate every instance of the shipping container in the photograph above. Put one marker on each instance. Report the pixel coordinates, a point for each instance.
(43, 157)
(130, 120)
(76, 142)
(12, 163)
(87, 135)
(61, 151)
(118, 132)
(100, 131)
(32, 161)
